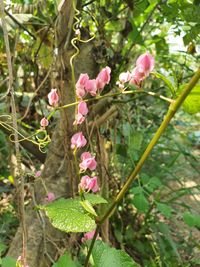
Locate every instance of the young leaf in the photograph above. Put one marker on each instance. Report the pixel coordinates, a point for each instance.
(166, 81)
(192, 103)
(88, 207)
(105, 256)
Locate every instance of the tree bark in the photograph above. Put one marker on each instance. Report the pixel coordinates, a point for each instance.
(59, 173)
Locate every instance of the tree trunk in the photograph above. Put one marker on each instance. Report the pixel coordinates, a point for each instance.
(59, 174)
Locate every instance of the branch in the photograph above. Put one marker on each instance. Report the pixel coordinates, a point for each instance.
(170, 114)
(19, 24)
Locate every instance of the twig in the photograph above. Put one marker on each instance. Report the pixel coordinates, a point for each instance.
(170, 114)
(15, 126)
(19, 24)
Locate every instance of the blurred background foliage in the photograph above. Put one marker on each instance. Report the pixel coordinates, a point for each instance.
(158, 222)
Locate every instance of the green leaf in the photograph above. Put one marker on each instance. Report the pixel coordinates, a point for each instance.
(95, 199)
(65, 261)
(68, 215)
(166, 81)
(141, 203)
(192, 103)
(8, 262)
(164, 209)
(2, 248)
(88, 207)
(105, 256)
(191, 219)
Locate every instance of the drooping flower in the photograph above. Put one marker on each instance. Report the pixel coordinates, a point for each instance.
(82, 108)
(103, 78)
(78, 140)
(80, 85)
(53, 97)
(44, 122)
(50, 197)
(79, 119)
(137, 77)
(91, 87)
(145, 63)
(88, 236)
(125, 77)
(88, 162)
(82, 112)
(89, 183)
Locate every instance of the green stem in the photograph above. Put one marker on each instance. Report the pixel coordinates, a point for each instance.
(170, 114)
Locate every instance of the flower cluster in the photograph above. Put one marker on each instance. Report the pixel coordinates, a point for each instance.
(84, 86)
(144, 65)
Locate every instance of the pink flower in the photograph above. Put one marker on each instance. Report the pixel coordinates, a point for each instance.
(78, 140)
(82, 108)
(50, 197)
(103, 78)
(137, 76)
(88, 236)
(91, 87)
(53, 97)
(93, 185)
(80, 85)
(145, 63)
(125, 77)
(38, 174)
(44, 122)
(88, 183)
(88, 162)
(79, 119)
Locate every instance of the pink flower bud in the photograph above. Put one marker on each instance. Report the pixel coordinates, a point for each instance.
(53, 97)
(44, 122)
(88, 236)
(89, 183)
(38, 174)
(50, 197)
(91, 87)
(125, 77)
(88, 162)
(80, 85)
(103, 78)
(82, 108)
(145, 63)
(78, 140)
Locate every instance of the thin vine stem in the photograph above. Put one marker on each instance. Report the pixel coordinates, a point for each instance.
(170, 114)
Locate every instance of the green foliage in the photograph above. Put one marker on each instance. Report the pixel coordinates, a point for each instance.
(70, 215)
(8, 262)
(192, 102)
(191, 219)
(105, 256)
(65, 261)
